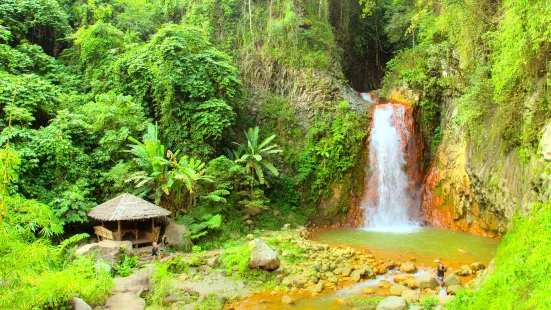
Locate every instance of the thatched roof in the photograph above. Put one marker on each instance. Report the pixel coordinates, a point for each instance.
(126, 207)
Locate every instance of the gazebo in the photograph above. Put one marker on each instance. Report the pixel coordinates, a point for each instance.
(127, 217)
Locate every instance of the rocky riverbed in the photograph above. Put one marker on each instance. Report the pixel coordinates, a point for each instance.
(276, 268)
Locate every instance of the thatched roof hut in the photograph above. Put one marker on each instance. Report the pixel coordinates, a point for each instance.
(126, 207)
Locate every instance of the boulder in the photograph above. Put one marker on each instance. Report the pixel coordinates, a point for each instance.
(213, 262)
(287, 300)
(286, 227)
(408, 267)
(477, 266)
(135, 283)
(318, 288)
(396, 290)
(392, 303)
(410, 296)
(262, 256)
(452, 279)
(356, 275)
(108, 250)
(346, 270)
(175, 235)
(125, 301)
(426, 281)
(384, 284)
(79, 304)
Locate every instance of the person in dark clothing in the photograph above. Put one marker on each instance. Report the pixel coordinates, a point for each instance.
(164, 244)
(155, 251)
(440, 270)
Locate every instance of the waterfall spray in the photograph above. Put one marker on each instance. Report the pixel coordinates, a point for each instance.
(392, 200)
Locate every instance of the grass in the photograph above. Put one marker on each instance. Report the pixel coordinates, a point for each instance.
(522, 265)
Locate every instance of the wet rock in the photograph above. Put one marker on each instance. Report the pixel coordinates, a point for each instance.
(410, 296)
(346, 270)
(384, 284)
(263, 256)
(318, 288)
(125, 301)
(477, 266)
(356, 275)
(278, 279)
(287, 300)
(426, 281)
(452, 279)
(79, 304)
(287, 281)
(464, 271)
(400, 279)
(410, 282)
(338, 271)
(408, 267)
(299, 282)
(382, 270)
(397, 290)
(334, 280)
(390, 265)
(368, 290)
(393, 303)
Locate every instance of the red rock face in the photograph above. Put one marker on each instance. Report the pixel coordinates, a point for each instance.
(448, 202)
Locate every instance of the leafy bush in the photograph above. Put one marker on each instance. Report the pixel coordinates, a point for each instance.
(520, 279)
(124, 267)
(161, 285)
(429, 303)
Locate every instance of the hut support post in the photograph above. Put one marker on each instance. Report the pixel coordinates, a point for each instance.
(152, 224)
(119, 226)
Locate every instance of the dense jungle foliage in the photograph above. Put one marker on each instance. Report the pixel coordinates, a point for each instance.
(160, 99)
(219, 109)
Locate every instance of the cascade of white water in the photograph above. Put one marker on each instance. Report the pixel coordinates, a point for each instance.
(388, 203)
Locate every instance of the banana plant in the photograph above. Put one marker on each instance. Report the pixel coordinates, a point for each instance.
(255, 153)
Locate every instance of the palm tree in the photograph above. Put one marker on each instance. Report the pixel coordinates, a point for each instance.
(253, 155)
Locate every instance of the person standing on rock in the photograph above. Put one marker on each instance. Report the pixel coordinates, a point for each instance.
(155, 251)
(440, 270)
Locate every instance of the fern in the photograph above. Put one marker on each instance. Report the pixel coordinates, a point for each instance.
(69, 241)
(199, 229)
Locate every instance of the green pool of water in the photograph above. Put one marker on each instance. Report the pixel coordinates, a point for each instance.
(424, 243)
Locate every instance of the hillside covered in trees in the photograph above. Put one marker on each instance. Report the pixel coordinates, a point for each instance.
(240, 117)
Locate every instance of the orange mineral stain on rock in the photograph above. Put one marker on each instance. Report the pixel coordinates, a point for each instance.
(448, 200)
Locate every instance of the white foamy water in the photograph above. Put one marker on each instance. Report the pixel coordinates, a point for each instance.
(367, 97)
(388, 200)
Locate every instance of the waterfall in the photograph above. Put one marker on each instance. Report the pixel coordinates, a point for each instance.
(391, 202)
